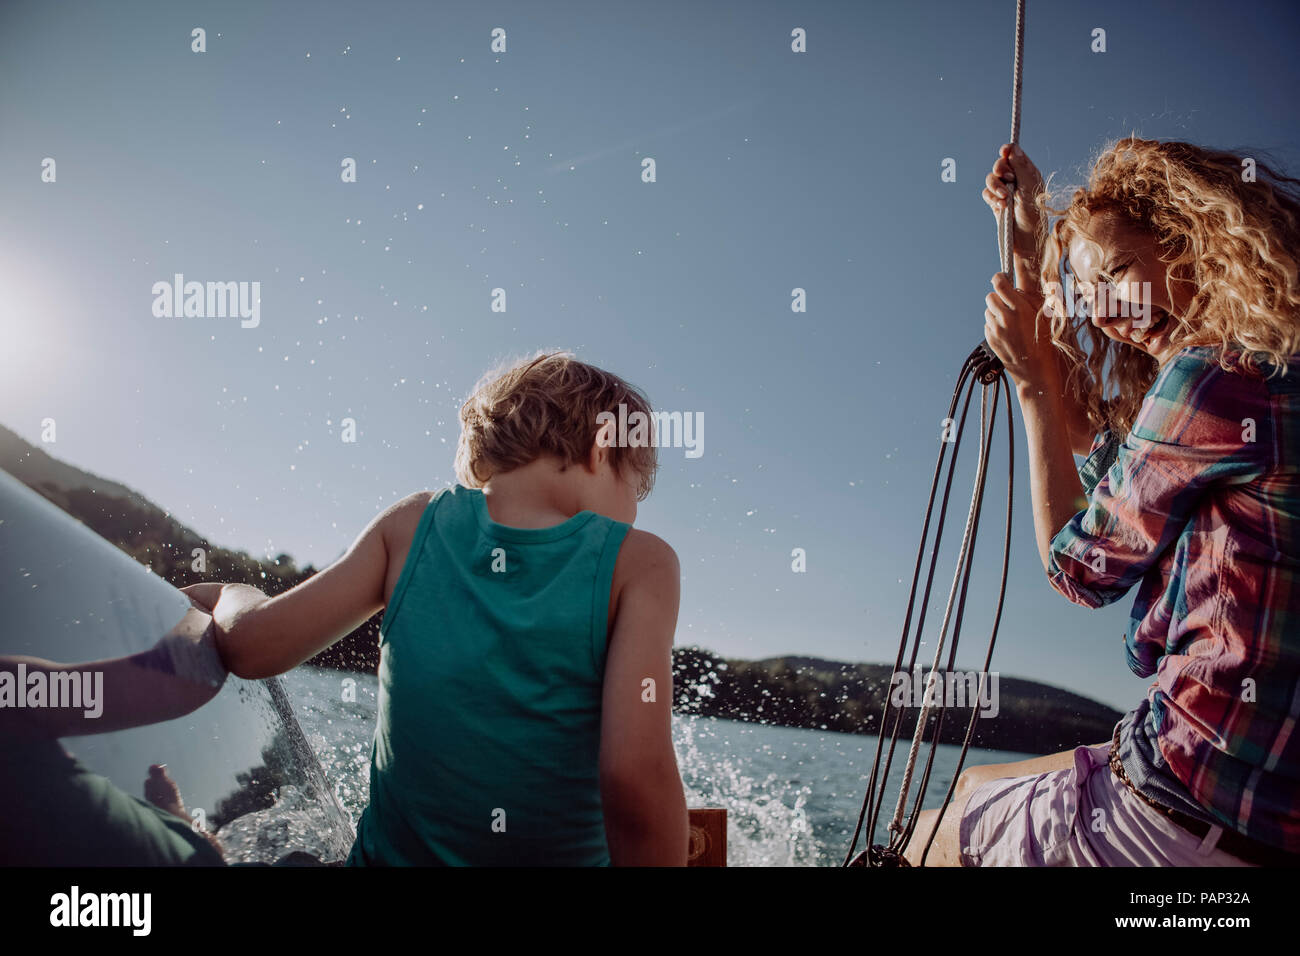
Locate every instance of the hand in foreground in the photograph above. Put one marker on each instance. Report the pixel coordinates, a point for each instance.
(1010, 316)
(204, 596)
(1014, 167)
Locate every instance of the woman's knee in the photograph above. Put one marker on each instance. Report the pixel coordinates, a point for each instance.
(973, 777)
(970, 779)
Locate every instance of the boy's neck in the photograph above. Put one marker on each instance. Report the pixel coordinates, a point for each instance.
(535, 495)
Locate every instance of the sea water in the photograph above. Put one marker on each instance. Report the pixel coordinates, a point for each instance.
(792, 796)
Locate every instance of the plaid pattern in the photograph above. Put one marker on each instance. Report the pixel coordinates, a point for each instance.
(1199, 505)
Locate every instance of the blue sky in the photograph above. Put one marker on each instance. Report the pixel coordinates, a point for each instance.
(522, 170)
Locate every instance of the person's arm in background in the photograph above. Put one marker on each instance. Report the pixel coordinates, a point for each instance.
(178, 675)
(641, 788)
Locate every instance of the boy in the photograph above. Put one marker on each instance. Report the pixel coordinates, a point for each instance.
(525, 677)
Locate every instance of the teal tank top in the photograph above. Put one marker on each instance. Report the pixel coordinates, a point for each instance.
(491, 664)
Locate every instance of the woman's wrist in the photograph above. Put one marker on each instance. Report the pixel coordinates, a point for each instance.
(1046, 387)
(1032, 391)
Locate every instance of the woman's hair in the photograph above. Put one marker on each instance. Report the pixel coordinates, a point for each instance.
(1236, 240)
(547, 405)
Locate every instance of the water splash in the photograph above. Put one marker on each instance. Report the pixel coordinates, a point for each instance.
(767, 820)
(296, 822)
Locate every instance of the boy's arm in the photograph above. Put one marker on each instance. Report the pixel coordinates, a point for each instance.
(641, 789)
(261, 637)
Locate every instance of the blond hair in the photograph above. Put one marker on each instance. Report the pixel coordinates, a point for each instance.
(1238, 242)
(546, 405)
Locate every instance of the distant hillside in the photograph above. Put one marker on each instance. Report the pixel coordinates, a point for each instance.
(831, 695)
(786, 691)
(33, 467)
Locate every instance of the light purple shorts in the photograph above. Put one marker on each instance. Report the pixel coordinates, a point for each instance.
(1084, 816)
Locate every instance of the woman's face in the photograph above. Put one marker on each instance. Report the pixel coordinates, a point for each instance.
(1122, 283)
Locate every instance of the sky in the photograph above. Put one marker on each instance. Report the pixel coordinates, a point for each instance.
(481, 169)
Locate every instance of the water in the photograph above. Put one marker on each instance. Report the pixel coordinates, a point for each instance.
(792, 795)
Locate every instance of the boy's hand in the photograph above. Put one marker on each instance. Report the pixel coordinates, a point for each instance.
(203, 595)
(235, 597)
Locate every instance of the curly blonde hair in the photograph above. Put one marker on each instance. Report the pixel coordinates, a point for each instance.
(546, 405)
(1237, 241)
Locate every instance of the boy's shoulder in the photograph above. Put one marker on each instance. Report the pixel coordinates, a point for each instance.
(414, 504)
(400, 520)
(646, 562)
(644, 550)
(646, 559)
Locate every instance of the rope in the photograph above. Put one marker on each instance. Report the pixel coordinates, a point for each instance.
(984, 366)
(927, 702)
(874, 799)
(1007, 217)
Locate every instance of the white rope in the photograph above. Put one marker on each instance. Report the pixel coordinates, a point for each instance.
(927, 703)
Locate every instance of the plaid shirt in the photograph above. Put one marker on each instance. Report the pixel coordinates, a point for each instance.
(1200, 506)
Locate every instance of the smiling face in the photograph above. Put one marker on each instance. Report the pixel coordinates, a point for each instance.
(1122, 283)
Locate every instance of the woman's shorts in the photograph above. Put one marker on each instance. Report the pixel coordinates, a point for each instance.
(1084, 816)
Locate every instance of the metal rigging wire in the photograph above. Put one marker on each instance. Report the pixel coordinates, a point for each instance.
(981, 365)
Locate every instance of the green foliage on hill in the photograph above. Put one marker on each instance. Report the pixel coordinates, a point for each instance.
(849, 698)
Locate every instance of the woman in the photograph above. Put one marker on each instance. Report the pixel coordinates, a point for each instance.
(1176, 268)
